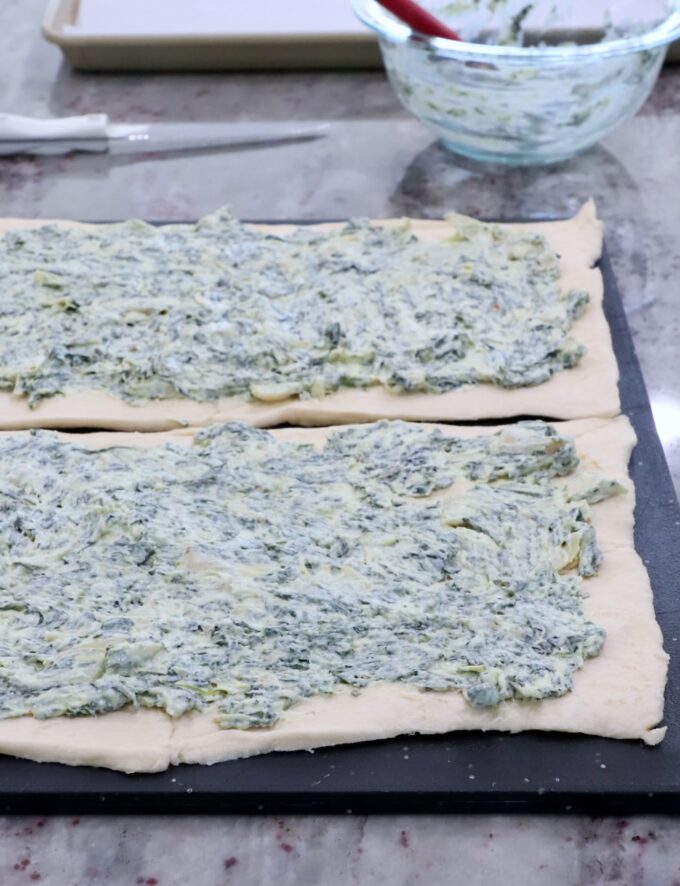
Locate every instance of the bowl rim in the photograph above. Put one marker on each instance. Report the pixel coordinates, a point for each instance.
(379, 20)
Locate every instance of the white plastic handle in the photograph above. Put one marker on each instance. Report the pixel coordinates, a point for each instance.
(14, 127)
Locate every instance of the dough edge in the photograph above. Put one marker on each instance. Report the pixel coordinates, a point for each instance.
(619, 694)
(588, 389)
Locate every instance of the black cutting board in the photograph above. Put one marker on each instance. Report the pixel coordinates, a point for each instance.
(459, 772)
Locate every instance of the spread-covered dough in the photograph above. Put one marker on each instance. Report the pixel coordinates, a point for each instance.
(586, 389)
(618, 694)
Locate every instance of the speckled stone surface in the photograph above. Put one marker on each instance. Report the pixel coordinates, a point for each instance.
(315, 851)
(376, 161)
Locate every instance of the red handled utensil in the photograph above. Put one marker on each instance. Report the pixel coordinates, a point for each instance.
(418, 19)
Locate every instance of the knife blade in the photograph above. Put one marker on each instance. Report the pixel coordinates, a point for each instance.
(94, 133)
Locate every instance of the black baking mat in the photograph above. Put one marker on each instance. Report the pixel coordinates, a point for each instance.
(459, 772)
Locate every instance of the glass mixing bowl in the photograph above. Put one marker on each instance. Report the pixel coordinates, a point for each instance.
(520, 105)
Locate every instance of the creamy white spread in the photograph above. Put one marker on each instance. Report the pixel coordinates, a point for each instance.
(219, 309)
(243, 573)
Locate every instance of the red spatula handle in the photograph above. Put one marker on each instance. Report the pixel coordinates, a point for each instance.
(418, 19)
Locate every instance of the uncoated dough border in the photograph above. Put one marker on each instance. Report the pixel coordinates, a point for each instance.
(588, 389)
(618, 694)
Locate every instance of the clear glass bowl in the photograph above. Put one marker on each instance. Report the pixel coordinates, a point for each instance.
(519, 105)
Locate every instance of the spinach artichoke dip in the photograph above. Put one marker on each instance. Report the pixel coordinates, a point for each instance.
(244, 573)
(219, 309)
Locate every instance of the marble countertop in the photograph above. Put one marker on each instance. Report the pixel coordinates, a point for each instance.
(376, 161)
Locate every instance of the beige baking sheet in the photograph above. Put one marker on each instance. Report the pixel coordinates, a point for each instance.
(332, 49)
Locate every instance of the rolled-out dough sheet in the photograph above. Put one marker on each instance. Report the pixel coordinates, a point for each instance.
(619, 694)
(589, 389)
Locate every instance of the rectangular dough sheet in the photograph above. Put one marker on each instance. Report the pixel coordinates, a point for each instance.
(618, 694)
(588, 389)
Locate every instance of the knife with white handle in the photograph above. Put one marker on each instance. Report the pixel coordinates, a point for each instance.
(94, 133)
